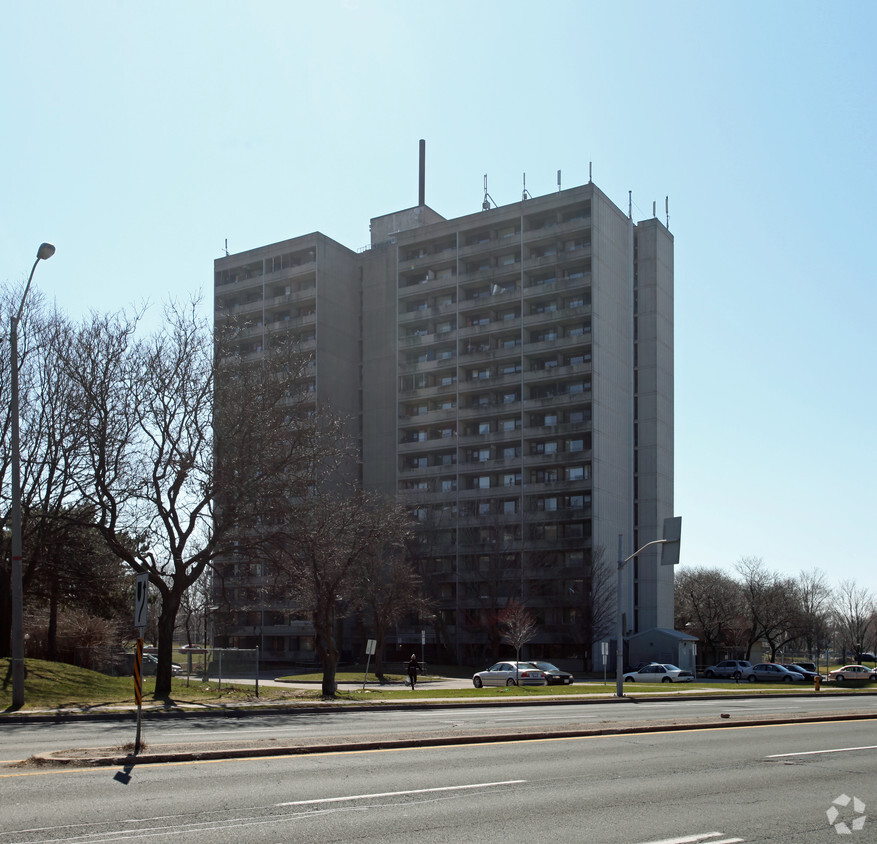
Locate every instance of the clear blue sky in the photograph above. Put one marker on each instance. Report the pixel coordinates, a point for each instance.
(137, 137)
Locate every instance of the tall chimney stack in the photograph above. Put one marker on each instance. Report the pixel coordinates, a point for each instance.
(422, 194)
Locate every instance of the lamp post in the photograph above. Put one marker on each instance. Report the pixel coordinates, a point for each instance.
(45, 252)
(670, 545)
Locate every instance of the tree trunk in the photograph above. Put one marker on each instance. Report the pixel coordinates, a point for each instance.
(170, 604)
(52, 633)
(380, 638)
(5, 613)
(324, 629)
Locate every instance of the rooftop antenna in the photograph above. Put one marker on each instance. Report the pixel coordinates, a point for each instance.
(558, 179)
(590, 172)
(654, 208)
(667, 209)
(526, 194)
(422, 192)
(485, 206)
(226, 247)
(630, 204)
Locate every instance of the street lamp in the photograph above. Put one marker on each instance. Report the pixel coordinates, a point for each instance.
(669, 557)
(45, 252)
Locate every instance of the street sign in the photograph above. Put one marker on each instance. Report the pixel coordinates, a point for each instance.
(370, 648)
(672, 536)
(141, 600)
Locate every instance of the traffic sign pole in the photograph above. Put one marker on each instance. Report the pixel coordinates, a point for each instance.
(138, 691)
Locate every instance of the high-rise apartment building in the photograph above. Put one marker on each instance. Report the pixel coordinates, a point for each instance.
(511, 372)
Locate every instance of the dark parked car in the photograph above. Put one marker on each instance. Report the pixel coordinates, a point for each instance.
(553, 674)
(801, 668)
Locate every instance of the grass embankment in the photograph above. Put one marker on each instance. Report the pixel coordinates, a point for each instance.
(56, 685)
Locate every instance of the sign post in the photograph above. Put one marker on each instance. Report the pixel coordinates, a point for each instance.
(141, 602)
(370, 647)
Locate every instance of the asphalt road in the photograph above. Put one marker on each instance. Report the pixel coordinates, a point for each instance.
(712, 786)
(337, 724)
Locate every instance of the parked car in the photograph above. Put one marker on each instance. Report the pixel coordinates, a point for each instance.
(801, 668)
(808, 666)
(510, 674)
(852, 672)
(150, 665)
(553, 674)
(659, 672)
(772, 672)
(728, 668)
(868, 657)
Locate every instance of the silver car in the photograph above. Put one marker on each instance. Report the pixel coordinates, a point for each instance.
(734, 668)
(772, 672)
(510, 674)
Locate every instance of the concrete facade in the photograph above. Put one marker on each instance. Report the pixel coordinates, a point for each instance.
(511, 372)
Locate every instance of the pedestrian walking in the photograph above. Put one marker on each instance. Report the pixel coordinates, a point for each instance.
(413, 668)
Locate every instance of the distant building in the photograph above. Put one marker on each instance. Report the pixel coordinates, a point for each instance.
(510, 374)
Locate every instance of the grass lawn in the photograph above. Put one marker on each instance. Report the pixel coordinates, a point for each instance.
(53, 685)
(56, 685)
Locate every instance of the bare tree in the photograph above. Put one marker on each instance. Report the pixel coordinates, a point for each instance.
(854, 609)
(771, 604)
(708, 605)
(816, 598)
(598, 598)
(386, 586)
(172, 479)
(518, 626)
(321, 547)
(50, 444)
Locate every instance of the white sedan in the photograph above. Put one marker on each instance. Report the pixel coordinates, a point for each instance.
(510, 674)
(659, 672)
(852, 672)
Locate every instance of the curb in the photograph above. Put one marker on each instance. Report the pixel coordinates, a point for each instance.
(310, 707)
(130, 760)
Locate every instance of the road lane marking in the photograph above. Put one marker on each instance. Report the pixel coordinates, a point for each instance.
(818, 752)
(398, 793)
(710, 837)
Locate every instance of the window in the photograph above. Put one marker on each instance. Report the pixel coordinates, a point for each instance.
(484, 427)
(577, 473)
(510, 506)
(509, 424)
